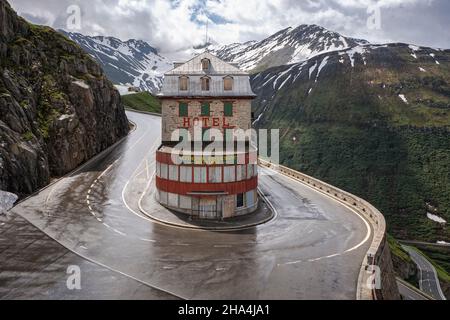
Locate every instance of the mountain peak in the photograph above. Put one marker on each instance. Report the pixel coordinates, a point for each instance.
(287, 46)
(132, 62)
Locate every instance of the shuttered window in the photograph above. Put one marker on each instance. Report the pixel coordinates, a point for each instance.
(205, 109)
(228, 109)
(183, 109)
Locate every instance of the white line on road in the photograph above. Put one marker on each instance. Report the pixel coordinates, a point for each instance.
(369, 230)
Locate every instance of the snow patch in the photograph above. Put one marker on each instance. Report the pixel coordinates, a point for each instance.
(435, 218)
(7, 200)
(81, 84)
(311, 70)
(322, 65)
(402, 96)
(422, 69)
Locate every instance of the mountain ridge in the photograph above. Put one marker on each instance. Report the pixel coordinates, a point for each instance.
(132, 62)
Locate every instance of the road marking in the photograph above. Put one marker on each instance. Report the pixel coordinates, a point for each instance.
(147, 240)
(119, 232)
(369, 230)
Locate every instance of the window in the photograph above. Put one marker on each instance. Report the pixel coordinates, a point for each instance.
(240, 200)
(205, 83)
(228, 83)
(229, 174)
(183, 109)
(205, 64)
(164, 171)
(173, 173)
(205, 134)
(205, 109)
(241, 172)
(228, 109)
(229, 134)
(200, 175)
(183, 81)
(215, 174)
(185, 174)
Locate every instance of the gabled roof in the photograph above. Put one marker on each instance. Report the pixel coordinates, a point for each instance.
(217, 67)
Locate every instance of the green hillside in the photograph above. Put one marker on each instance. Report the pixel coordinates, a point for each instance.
(379, 129)
(142, 101)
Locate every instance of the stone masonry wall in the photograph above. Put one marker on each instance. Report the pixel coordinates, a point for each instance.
(171, 120)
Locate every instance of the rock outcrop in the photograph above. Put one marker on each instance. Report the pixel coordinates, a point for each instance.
(57, 108)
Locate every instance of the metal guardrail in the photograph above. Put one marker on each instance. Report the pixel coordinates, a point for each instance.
(371, 213)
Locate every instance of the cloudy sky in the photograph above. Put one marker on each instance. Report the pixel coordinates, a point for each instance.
(173, 26)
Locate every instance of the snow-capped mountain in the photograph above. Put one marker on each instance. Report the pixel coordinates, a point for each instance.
(133, 62)
(287, 46)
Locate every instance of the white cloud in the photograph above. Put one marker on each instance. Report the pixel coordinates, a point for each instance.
(173, 26)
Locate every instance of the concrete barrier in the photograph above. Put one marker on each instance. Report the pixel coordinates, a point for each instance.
(376, 279)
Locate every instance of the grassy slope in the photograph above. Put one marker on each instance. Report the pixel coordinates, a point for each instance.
(142, 101)
(355, 132)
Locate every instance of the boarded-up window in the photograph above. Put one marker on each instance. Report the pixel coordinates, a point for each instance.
(185, 174)
(173, 173)
(228, 83)
(229, 174)
(205, 109)
(205, 83)
(164, 169)
(183, 81)
(215, 174)
(183, 109)
(205, 64)
(200, 175)
(228, 109)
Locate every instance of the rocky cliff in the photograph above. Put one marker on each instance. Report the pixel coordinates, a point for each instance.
(57, 108)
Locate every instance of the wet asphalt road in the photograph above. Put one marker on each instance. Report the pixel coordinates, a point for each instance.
(313, 249)
(428, 282)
